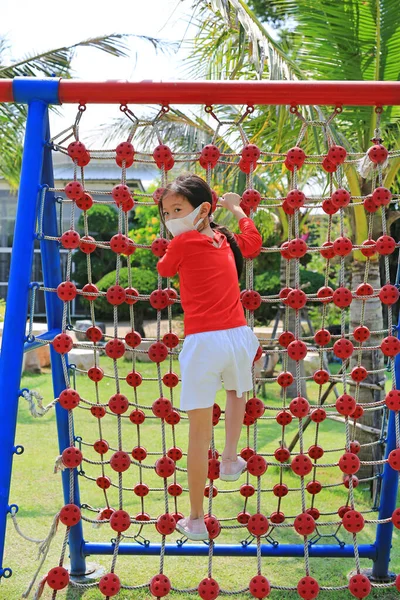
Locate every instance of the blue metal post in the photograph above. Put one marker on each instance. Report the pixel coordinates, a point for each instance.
(390, 482)
(52, 277)
(17, 299)
(315, 550)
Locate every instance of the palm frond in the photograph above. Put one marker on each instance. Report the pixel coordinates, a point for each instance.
(58, 61)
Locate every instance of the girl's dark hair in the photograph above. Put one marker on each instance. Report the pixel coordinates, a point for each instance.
(196, 191)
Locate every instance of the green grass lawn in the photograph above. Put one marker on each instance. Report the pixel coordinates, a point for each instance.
(37, 492)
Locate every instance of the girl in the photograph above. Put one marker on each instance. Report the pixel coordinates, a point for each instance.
(218, 344)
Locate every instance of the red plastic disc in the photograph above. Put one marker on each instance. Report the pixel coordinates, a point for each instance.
(342, 297)
(258, 524)
(392, 400)
(394, 459)
(137, 416)
(101, 447)
(141, 490)
(313, 487)
(396, 518)
(259, 587)
(118, 404)
(353, 521)
(175, 489)
(358, 412)
(345, 404)
(327, 250)
(280, 490)
(207, 491)
(246, 453)
(120, 521)
(389, 294)
(161, 407)
(66, 291)
(315, 452)
(247, 490)
(328, 166)
(369, 248)
(346, 480)
(213, 527)
(359, 586)
(90, 292)
(63, 343)
(175, 453)
(297, 247)
(70, 515)
(57, 578)
(343, 348)
(173, 418)
(296, 299)
(342, 246)
(277, 517)
(213, 468)
(329, 208)
(301, 465)
(297, 350)
(255, 407)
(257, 465)
(361, 333)
(304, 524)
(336, 155)
(282, 454)
(98, 411)
(358, 374)
(285, 379)
(160, 585)
(157, 352)
(325, 294)
(72, 457)
(251, 198)
(299, 407)
(295, 199)
(74, 190)
(318, 415)
(308, 588)
(208, 588)
(322, 337)
(355, 447)
(165, 524)
(171, 340)
(115, 348)
(104, 483)
(321, 376)
(385, 245)
(69, 399)
(382, 196)
(349, 463)
(378, 154)
(94, 334)
(171, 380)
(120, 461)
(243, 517)
(296, 156)
(390, 346)
(286, 338)
(109, 585)
(116, 295)
(251, 300)
(217, 414)
(139, 453)
(283, 418)
(134, 379)
(340, 198)
(165, 467)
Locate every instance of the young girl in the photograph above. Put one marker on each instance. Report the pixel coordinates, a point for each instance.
(218, 344)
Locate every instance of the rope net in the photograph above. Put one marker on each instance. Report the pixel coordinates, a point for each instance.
(132, 464)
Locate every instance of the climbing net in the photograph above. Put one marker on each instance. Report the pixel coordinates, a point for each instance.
(286, 496)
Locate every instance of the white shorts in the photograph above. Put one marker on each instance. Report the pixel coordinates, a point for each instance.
(211, 357)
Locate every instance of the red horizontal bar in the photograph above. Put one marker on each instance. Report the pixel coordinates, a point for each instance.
(374, 93)
(334, 93)
(6, 90)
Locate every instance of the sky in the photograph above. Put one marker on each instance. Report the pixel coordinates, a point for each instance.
(32, 27)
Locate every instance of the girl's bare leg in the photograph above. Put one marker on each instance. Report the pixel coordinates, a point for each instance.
(200, 430)
(234, 413)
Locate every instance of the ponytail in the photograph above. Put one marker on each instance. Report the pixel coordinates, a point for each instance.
(233, 244)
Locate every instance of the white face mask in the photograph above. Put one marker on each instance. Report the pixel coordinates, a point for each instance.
(184, 224)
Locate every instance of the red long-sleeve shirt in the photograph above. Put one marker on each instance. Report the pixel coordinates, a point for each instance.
(208, 278)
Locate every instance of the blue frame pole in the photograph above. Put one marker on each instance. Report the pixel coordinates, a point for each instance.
(52, 277)
(390, 483)
(17, 300)
(315, 550)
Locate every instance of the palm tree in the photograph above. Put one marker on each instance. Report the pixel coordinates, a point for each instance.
(348, 40)
(52, 63)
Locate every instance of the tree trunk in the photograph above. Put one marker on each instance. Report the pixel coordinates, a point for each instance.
(373, 319)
